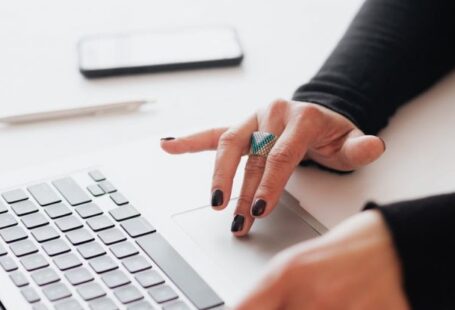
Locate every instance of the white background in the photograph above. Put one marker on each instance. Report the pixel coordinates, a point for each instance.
(285, 42)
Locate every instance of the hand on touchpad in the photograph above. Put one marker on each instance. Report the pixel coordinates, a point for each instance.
(245, 257)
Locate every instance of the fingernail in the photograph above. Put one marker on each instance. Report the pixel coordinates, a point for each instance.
(258, 207)
(167, 139)
(237, 223)
(383, 142)
(217, 198)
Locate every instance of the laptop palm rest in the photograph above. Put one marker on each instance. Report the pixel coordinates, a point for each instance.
(244, 259)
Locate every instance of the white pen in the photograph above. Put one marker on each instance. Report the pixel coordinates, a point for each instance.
(125, 106)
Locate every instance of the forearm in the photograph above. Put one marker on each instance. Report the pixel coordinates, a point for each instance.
(392, 51)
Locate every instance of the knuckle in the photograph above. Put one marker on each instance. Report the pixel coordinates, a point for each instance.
(308, 112)
(281, 156)
(228, 138)
(255, 165)
(244, 200)
(267, 187)
(278, 106)
(219, 175)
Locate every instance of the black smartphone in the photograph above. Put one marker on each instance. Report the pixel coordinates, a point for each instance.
(141, 52)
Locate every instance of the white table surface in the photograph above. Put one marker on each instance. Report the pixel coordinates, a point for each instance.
(285, 42)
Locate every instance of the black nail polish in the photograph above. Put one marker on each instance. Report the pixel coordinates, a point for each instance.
(258, 207)
(217, 198)
(167, 139)
(237, 223)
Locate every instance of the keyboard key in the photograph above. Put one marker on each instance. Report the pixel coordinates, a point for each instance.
(100, 222)
(102, 264)
(142, 305)
(149, 278)
(137, 227)
(46, 233)
(115, 279)
(162, 293)
(3, 207)
(95, 190)
(91, 291)
(72, 192)
(78, 276)
(23, 247)
(24, 207)
(88, 210)
(179, 271)
(97, 176)
(14, 195)
(104, 303)
(67, 261)
(124, 212)
(18, 278)
(68, 223)
(128, 294)
(68, 304)
(57, 210)
(34, 220)
(123, 249)
(8, 263)
(45, 276)
(33, 262)
(2, 250)
(111, 236)
(136, 264)
(44, 194)
(55, 247)
(39, 306)
(91, 250)
(7, 220)
(178, 305)
(107, 187)
(119, 199)
(13, 234)
(56, 291)
(79, 236)
(30, 294)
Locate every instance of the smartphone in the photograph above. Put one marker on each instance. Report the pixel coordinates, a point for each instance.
(141, 52)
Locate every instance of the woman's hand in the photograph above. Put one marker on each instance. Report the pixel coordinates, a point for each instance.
(354, 266)
(305, 130)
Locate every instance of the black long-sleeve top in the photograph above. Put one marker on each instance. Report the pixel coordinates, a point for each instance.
(393, 51)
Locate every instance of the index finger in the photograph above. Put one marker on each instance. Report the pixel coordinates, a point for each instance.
(197, 142)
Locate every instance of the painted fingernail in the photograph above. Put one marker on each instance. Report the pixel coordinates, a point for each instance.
(237, 223)
(217, 198)
(258, 207)
(167, 139)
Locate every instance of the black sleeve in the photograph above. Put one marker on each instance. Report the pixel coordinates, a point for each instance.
(423, 231)
(392, 51)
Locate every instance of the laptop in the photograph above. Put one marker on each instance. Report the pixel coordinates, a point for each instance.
(131, 228)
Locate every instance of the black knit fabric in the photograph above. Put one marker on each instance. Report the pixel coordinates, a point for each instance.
(393, 51)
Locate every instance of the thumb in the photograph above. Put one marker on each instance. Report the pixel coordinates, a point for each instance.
(359, 151)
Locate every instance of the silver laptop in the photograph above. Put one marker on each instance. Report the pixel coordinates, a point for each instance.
(130, 228)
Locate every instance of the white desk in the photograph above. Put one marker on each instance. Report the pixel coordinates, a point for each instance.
(285, 42)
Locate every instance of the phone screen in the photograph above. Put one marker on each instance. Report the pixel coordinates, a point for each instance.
(158, 49)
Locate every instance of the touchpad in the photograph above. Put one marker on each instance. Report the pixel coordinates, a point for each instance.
(244, 258)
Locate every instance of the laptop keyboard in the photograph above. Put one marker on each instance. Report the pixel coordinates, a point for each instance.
(61, 249)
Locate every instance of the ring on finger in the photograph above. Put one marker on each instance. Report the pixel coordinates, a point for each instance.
(262, 143)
